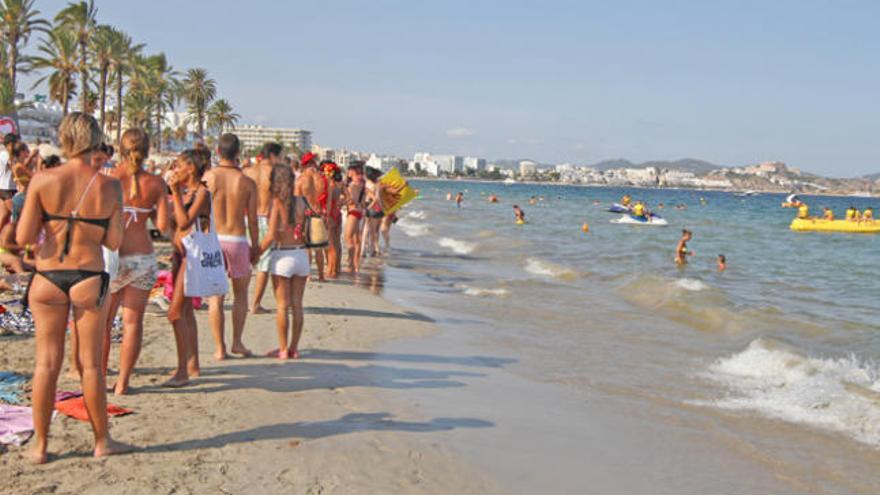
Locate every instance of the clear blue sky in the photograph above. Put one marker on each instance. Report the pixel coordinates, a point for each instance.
(730, 82)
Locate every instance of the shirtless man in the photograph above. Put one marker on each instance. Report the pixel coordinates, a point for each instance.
(261, 174)
(355, 206)
(313, 185)
(233, 198)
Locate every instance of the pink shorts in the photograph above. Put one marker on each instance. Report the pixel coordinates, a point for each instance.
(237, 253)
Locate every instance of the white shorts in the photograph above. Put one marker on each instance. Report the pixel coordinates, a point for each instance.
(289, 262)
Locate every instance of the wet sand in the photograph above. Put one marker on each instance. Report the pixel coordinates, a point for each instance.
(325, 424)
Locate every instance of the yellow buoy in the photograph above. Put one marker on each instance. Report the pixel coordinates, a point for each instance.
(586, 227)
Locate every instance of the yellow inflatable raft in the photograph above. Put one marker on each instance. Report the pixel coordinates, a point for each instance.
(819, 225)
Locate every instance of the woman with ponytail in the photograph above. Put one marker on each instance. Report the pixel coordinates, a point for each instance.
(144, 198)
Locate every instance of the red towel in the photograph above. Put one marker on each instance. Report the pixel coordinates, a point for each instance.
(76, 408)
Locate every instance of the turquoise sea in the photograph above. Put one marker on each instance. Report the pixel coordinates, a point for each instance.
(772, 363)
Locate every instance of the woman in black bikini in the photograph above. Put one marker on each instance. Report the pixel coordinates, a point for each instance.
(191, 203)
(80, 210)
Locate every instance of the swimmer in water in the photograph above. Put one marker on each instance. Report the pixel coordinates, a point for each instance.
(722, 263)
(681, 251)
(449, 196)
(520, 215)
(458, 199)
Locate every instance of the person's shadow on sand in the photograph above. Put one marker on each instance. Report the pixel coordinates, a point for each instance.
(350, 423)
(475, 361)
(301, 376)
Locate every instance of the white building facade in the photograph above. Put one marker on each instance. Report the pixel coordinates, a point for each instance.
(255, 136)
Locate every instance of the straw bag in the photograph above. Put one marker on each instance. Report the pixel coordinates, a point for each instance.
(205, 271)
(315, 233)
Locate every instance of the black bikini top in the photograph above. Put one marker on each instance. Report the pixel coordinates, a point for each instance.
(74, 217)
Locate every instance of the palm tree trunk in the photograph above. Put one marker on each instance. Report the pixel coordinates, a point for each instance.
(201, 117)
(118, 107)
(13, 66)
(66, 99)
(104, 72)
(84, 75)
(158, 130)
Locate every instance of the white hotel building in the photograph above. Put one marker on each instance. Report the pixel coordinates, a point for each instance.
(255, 136)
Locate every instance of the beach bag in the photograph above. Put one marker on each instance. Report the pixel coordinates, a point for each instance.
(111, 262)
(315, 232)
(205, 271)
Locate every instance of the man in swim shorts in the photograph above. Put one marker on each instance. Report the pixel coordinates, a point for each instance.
(314, 186)
(261, 174)
(233, 199)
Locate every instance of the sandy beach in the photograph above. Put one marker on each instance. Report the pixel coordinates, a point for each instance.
(325, 424)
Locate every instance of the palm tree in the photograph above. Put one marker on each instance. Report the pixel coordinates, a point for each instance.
(157, 80)
(80, 18)
(8, 105)
(124, 58)
(105, 48)
(18, 21)
(221, 116)
(199, 91)
(180, 134)
(138, 110)
(59, 53)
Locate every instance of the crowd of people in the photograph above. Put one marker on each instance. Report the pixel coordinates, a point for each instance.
(85, 226)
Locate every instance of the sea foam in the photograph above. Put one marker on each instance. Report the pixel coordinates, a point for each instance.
(837, 394)
(457, 246)
(413, 229)
(483, 292)
(691, 284)
(544, 268)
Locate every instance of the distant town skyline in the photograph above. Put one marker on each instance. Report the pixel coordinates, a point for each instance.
(733, 84)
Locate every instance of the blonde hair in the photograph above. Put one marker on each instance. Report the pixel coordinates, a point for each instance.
(134, 148)
(79, 133)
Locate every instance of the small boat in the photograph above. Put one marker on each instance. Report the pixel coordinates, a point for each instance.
(653, 220)
(508, 181)
(746, 194)
(619, 208)
(847, 226)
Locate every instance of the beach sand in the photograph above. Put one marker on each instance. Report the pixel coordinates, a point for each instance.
(325, 424)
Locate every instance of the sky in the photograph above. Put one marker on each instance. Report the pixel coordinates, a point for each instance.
(734, 82)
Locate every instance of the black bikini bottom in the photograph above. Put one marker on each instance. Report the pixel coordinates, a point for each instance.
(66, 279)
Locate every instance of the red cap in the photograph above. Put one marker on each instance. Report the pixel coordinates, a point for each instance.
(308, 157)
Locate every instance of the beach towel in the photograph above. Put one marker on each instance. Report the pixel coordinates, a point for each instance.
(11, 387)
(165, 280)
(396, 192)
(61, 395)
(16, 425)
(21, 323)
(76, 409)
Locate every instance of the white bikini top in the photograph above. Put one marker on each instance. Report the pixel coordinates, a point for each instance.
(132, 212)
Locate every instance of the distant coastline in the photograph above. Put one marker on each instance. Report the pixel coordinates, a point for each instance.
(644, 187)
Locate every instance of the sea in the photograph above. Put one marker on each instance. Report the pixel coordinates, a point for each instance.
(605, 368)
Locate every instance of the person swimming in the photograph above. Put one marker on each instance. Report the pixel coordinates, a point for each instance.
(681, 250)
(458, 199)
(493, 198)
(520, 215)
(722, 263)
